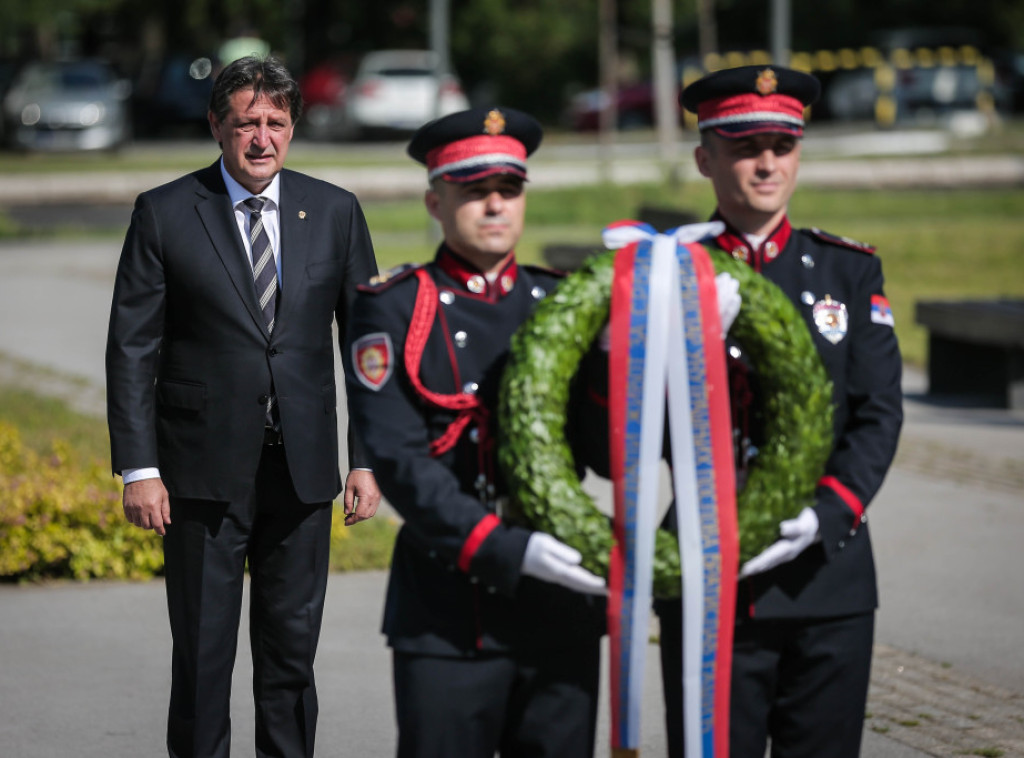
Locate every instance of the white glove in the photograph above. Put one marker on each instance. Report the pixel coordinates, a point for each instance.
(797, 535)
(552, 561)
(729, 300)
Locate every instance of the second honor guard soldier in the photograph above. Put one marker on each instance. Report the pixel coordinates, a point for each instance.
(495, 629)
(805, 611)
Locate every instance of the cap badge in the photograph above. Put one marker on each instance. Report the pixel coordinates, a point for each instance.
(494, 123)
(767, 82)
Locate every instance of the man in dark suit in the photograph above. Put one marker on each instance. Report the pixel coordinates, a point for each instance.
(222, 408)
(806, 604)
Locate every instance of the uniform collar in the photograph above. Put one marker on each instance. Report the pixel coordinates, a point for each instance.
(738, 246)
(470, 280)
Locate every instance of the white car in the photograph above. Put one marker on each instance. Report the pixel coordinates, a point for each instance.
(399, 91)
(68, 105)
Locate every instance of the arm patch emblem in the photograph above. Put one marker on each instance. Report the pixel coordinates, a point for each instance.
(373, 359)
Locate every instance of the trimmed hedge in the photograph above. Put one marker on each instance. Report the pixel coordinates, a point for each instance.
(60, 518)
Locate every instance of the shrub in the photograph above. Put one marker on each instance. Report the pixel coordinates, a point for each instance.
(60, 518)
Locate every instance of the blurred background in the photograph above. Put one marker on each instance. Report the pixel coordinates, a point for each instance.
(916, 145)
(96, 74)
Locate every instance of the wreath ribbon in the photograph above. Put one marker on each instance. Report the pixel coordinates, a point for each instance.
(666, 340)
(539, 466)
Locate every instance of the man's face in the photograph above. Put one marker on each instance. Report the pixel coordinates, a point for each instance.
(482, 221)
(254, 138)
(753, 177)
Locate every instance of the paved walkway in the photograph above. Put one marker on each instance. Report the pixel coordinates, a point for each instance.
(84, 668)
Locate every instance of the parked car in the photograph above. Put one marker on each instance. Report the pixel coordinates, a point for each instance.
(325, 90)
(634, 108)
(171, 97)
(399, 91)
(918, 90)
(68, 105)
(918, 93)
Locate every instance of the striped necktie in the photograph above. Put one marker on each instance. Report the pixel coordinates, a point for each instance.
(264, 272)
(264, 267)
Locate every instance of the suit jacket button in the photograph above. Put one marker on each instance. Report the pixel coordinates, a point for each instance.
(264, 399)
(272, 352)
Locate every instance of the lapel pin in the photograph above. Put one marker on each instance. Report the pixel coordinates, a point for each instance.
(302, 214)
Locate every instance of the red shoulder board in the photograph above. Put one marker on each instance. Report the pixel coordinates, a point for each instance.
(385, 279)
(852, 244)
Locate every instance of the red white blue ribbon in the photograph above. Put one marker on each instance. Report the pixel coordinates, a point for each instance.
(665, 339)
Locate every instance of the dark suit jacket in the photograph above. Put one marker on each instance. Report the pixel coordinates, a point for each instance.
(189, 359)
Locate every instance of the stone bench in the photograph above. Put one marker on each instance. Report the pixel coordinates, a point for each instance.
(975, 347)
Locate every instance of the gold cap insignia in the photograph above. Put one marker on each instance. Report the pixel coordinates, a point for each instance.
(494, 123)
(767, 82)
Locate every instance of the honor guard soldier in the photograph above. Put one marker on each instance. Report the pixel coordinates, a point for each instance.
(494, 628)
(805, 612)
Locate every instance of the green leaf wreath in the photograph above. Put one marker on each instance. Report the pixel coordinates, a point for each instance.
(538, 463)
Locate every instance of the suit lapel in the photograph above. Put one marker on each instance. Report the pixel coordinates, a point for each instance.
(296, 222)
(217, 215)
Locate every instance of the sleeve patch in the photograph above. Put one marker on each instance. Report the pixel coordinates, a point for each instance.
(881, 313)
(373, 359)
(846, 242)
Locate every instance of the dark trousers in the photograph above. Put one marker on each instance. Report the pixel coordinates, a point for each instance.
(541, 705)
(800, 683)
(287, 546)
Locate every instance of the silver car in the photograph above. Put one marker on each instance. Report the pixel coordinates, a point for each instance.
(67, 105)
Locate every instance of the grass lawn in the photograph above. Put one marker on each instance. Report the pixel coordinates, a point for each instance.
(942, 244)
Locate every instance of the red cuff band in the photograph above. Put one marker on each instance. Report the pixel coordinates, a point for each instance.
(846, 495)
(484, 527)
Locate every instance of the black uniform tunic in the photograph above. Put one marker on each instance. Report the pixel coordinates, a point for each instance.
(455, 587)
(802, 649)
(836, 285)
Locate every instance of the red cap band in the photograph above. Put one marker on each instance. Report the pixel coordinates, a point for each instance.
(473, 158)
(751, 113)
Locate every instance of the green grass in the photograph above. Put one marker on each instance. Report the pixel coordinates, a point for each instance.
(41, 420)
(942, 244)
(946, 244)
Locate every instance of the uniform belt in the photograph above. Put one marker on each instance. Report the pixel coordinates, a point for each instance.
(272, 436)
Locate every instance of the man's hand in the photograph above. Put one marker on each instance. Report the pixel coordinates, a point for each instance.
(553, 561)
(362, 496)
(147, 505)
(729, 300)
(797, 535)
